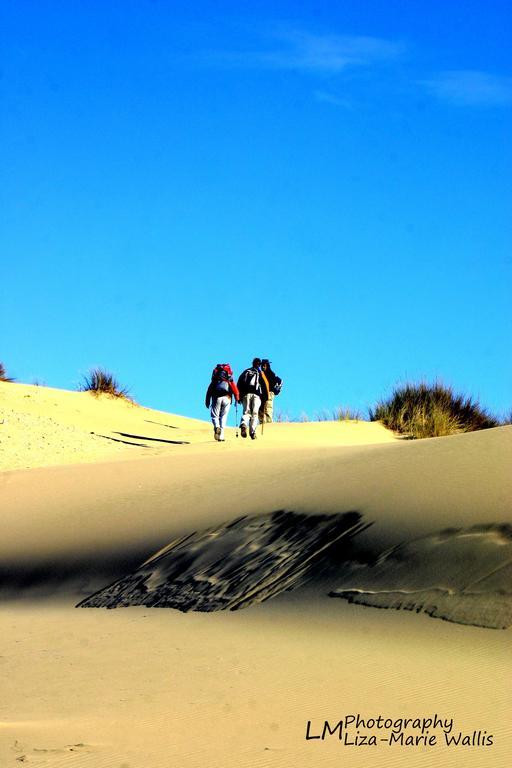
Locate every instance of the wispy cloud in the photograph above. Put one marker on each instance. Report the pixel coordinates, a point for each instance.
(295, 49)
(331, 98)
(470, 87)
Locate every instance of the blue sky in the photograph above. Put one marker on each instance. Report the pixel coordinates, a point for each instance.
(325, 184)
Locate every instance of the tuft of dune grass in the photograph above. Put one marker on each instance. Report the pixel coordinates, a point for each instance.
(422, 409)
(336, 414)
(98, 381)
(507, 419)
(3, 374)
(339, 414)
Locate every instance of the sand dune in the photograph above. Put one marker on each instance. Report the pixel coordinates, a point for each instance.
(107, 518)
(42, 426)
(304, 516)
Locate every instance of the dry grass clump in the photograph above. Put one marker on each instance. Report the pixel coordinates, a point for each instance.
(3, 374)
(98, 382)
(431, 410)
(339, 414)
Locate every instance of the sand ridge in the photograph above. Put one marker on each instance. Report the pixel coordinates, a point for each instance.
(43, 426)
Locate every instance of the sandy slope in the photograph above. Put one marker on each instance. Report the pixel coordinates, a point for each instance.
(412, 488)
(41, 426)
(159, 689)
(145, 687)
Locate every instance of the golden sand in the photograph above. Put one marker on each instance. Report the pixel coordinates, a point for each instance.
(147, 688)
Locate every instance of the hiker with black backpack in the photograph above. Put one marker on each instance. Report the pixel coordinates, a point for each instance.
(253, 390)
(220, 394)
(274, 385)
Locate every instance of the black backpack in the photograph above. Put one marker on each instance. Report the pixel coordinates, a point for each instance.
(250, 380)
(278, 385)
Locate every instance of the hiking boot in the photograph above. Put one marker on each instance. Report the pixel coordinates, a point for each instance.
(253, 435)
(243, 430)
(216, 433)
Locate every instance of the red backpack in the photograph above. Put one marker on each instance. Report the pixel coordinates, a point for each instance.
(222, 371)
(221, 376)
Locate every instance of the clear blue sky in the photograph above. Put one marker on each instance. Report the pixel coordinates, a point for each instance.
(326, 184)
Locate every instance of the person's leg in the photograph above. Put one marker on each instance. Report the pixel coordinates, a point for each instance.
(215, 414)
(244, 424)
(255, 406)
(246, 403)
(223, 417)
(269, 408)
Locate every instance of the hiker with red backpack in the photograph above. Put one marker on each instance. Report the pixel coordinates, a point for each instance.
(253, 389)
(220, 395)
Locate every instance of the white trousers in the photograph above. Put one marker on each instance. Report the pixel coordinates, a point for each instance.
(251, 405)
(219, 412)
